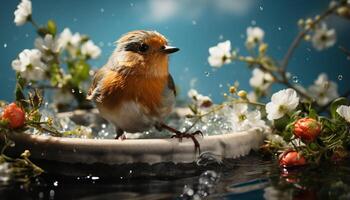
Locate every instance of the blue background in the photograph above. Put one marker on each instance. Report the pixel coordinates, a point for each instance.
(194, 26)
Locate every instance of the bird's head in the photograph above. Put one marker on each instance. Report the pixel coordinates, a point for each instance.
(143, 52)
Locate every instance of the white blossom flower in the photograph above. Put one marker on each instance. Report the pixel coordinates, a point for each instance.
(90, 49)
(198, 99)
(344, 111)
(281, 103)
(29, 65)
(260, 79)
(66, 37)
(255, 35)
(323, 37)
(192, 93)
(220, 54)
(23, 12)
(75, 40)
(323, 90)
(243, 120)
(47, 44)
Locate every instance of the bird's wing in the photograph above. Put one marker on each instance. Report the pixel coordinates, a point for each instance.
(94, 90)
(171, 84)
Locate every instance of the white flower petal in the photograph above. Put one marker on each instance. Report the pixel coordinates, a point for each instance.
(344, 111)
(23, 11)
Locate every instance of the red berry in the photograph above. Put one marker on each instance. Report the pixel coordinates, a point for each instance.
(307, 129)
(14, 115)
(291, 159)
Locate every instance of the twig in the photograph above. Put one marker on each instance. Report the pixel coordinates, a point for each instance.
(301, 35)
(346, 51)
(30, 19)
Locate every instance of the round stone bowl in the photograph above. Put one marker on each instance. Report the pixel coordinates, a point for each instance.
(108, 157)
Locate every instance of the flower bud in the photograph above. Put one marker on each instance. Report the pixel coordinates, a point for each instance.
(242, 94)
(343, 11)
(263, 48)
(249, 59)
(307, 37)
(301, 22)
(307, 129)
(14, 115)
(233, 89)
(25, 154)
(291, 159)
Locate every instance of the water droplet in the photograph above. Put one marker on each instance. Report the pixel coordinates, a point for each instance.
(102, 10)
(95, 178)
(130, 172)
(109, 44)
(132, 4)
(194, 22)
(295, 79)
(5, 45)
(27, 35)
(73, 91)
(101, 44)
(221, 37)
(55, 183)
(52, 193)
(75, 19)
(261, 8)
(220, 85)
(279, 28)
(340, 77)
(253, 22)
(207, 74)
(103, 126)
(41, 195)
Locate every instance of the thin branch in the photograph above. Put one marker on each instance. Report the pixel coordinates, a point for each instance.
(30, 19)
(345, 50)
(301, 35)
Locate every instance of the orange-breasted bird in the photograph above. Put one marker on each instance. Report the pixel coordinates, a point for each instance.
(134, 90)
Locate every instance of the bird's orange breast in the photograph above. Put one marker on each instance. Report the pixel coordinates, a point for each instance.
(147, 91)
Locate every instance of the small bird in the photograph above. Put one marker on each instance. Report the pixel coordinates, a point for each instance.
(134, 90)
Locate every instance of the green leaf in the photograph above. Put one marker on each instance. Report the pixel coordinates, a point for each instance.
(79, 71)
(335, 104)
(287, 135)
(51, 27)
(313, 113)
(281, 124)
(55, 76)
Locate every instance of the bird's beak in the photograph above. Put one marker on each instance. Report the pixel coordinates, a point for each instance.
(170, 49)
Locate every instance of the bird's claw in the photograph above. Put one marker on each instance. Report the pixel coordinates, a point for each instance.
(181, 135)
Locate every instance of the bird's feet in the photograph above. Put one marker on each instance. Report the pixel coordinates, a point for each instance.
(181, 135)
(120, 135)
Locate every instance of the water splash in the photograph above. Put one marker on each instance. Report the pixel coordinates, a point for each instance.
(340, 77)
(295, 79)
(206, 186)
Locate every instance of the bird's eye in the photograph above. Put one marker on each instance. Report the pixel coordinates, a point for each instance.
(143, 47)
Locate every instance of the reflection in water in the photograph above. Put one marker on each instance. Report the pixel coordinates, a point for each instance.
(252, 177)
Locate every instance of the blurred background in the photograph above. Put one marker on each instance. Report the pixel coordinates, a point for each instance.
(193, 26)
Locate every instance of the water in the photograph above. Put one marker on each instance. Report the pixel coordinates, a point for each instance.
(252, 177)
